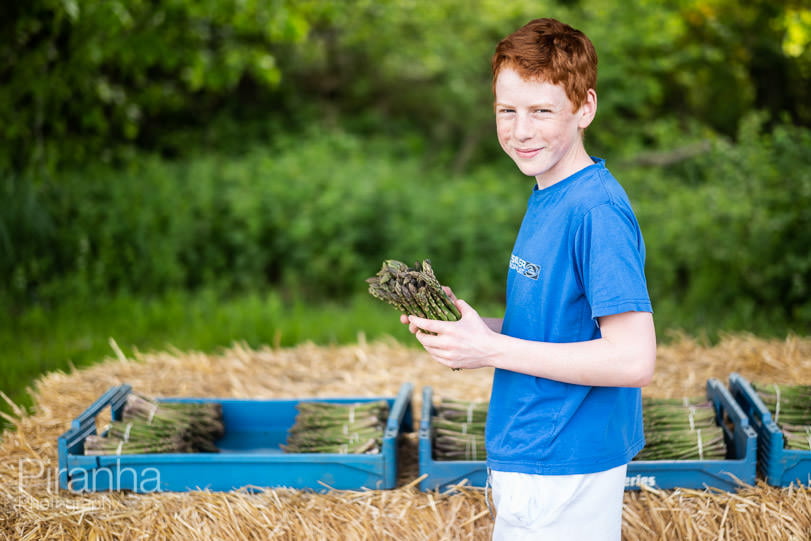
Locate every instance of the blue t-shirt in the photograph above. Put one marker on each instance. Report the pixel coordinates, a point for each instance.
(579, 255)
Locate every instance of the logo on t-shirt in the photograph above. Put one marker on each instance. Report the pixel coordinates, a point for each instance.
(525, 268)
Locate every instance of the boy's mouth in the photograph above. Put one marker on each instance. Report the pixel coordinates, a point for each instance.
(527, 152)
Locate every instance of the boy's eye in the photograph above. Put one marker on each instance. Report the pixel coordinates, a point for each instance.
(544, 111)
(503, 110)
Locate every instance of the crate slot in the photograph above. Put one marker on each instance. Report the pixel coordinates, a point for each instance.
(738, 469)
(778, 466)
(250, 453)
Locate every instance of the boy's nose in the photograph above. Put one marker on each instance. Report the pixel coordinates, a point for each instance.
(523, 127)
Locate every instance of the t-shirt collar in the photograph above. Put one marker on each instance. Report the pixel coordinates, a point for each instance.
(598, 162)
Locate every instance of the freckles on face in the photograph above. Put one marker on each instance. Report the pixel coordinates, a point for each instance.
(536, 124)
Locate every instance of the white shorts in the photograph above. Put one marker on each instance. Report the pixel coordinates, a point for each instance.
(558, 507)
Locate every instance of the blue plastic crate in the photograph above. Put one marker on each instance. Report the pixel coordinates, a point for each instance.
(250, 455)
(740, 466)
(443, 474)
(779, 467)
(727, 474)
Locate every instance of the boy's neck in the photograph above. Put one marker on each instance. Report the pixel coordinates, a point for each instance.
(566, 168)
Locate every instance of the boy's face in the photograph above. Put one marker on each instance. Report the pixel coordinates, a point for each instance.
(538, 128)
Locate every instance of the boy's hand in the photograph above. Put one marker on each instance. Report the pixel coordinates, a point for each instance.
(458, 344)
(449, 293)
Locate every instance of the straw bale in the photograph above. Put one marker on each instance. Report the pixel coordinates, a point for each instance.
(32, 506)
(684, 365)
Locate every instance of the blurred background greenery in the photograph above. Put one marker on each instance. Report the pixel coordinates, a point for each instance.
(190, 173)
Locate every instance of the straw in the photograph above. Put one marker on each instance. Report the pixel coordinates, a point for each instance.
(32, 508)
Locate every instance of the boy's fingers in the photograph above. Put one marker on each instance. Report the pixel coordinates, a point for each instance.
(464, 308)
(423, 324)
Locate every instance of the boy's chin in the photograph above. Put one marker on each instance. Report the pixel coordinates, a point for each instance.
(529, 170)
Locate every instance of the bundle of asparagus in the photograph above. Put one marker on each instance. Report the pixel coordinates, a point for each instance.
(150, 426)
(790, 406)
(676, 429)
(458, 427)
(413, 290)
(681, 429)
(325, 427)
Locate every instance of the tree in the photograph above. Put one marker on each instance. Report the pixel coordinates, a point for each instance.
(82, 76)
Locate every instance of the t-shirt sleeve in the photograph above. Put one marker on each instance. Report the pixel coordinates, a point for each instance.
(610, 261)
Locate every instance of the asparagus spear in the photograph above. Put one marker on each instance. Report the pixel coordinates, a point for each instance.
(326, 427)
(414, 290)
(790, 406)
(681, 429)
(458, 430)
(151, 426)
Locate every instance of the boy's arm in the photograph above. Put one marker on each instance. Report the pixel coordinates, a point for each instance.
(624, 356)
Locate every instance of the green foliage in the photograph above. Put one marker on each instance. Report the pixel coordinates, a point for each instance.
(86, 80)
(691, 62)
(313, 214)
(422, 65)
(238, 145)
(83, 77)
(728, 232)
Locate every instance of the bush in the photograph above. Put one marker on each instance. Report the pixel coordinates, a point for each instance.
(727, 232)
(729, 246)
(315, 215)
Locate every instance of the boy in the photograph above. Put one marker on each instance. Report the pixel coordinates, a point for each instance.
(577, 339)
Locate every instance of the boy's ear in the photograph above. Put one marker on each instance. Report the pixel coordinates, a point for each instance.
(588, 110)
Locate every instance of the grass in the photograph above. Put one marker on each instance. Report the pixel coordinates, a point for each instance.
(78, 334)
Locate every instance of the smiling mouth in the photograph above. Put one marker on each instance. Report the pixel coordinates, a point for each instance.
(527, 152)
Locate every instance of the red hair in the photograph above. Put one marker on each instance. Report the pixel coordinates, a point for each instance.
(549, 50)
